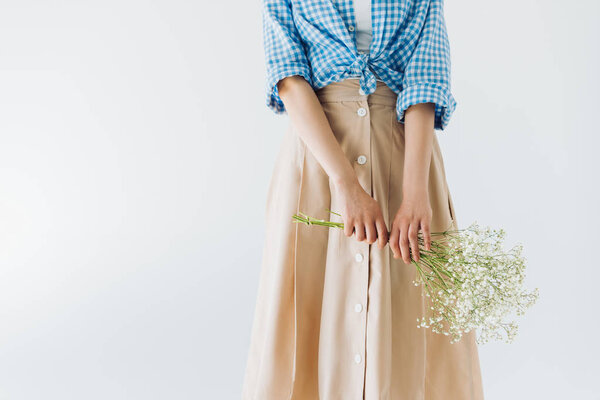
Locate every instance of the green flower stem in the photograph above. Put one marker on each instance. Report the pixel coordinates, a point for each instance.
(303, 218)
(429, 258)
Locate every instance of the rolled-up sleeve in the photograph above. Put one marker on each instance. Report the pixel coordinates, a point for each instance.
(284, 51)
(427, 75)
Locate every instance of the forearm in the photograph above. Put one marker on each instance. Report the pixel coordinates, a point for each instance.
(418, 133)
(310, 122)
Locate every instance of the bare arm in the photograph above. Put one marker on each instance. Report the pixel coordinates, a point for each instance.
(309, 120)
(360, 212)
(415, 211)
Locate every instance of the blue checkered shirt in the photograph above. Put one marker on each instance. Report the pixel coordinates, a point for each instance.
(409, 52)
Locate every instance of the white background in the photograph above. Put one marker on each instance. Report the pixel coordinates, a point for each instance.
(135, 154)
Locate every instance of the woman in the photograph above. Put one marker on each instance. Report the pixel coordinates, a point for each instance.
(364, 85)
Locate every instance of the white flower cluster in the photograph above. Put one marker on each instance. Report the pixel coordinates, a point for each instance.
(471, 282)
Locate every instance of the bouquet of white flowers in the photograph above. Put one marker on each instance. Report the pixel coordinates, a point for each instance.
(470, 280)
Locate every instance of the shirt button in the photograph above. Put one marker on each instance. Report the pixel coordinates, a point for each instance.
(351, 28)
(357, 358)
(358, 257)
(361, 112)
(361, 160)
(358, 307)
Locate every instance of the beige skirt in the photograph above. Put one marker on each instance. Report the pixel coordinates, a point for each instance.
(336, 319)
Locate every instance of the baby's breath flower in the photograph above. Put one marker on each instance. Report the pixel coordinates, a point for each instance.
(470, 282)
(476, 285)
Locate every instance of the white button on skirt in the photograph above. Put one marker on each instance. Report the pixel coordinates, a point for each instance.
(309, 339)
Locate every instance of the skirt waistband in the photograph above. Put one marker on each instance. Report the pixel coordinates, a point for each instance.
(347, 90)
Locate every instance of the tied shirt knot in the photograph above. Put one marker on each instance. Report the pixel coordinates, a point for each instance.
(360, 66)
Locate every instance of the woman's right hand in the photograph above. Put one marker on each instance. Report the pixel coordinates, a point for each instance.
(361, 214)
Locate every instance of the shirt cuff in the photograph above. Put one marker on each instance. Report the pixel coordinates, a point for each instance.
(445, 104)
(273, 100)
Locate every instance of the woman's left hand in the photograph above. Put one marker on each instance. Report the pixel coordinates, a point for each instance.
(413, 215)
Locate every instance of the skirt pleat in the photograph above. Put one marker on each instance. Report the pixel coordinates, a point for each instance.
(336, 319)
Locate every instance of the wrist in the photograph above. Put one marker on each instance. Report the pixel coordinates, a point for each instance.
(415, 190)
(344, 182)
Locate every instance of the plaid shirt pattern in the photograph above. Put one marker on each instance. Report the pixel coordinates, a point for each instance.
(315, 39)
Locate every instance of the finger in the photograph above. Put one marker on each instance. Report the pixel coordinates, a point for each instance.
(404, 243)
(348, 227)
(394, 240)
(371, 232)
(412, 237)
(360, 231)
(426, 235)
(382, 233)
